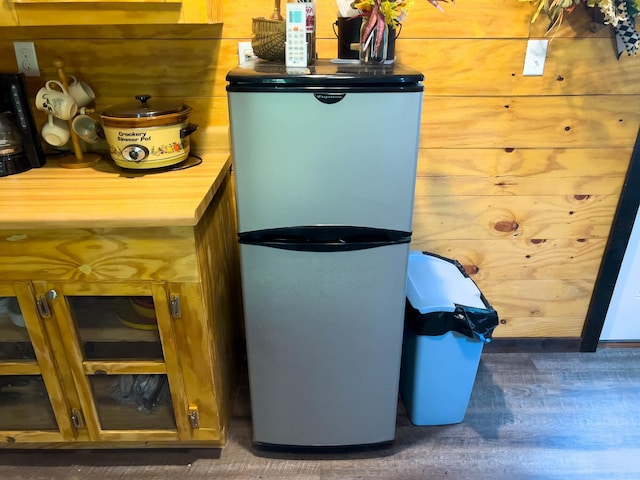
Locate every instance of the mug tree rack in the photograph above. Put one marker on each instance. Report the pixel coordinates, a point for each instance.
(78, 159)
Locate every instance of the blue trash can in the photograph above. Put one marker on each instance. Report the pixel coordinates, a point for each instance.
(447, 322)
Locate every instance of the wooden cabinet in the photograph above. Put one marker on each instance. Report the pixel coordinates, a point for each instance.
(120, 336)
(109, 12)
(118, 357)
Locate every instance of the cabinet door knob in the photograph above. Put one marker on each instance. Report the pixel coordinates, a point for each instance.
(52, 294)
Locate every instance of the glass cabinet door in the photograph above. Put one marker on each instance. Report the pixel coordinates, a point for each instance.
(118, 353)
(25, 403)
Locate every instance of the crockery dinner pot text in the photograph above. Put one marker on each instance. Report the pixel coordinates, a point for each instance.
(127, 136)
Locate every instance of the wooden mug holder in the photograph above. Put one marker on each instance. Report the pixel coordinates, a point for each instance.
(78, 159)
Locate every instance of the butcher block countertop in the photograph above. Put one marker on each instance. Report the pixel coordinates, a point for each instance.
(107, 196)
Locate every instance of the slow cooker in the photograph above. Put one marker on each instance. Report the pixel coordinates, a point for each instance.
(148, 134)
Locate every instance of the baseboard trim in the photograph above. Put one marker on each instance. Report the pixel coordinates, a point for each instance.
(533, 345)
(617, 344)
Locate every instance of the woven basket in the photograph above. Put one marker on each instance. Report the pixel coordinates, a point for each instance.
(268, 38)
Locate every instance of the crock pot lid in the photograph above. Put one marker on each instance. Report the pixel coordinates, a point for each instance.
(144, 108)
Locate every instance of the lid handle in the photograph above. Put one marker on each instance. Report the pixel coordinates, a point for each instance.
(143, 99)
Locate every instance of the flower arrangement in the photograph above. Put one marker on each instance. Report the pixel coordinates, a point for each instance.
(392, 11)
(617, 13)
(556, 9)
(380, 16)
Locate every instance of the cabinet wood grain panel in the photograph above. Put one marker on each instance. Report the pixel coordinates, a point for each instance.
(217, 248)
(35, 438)
(148, 367)
(19, 367)
(94, 255)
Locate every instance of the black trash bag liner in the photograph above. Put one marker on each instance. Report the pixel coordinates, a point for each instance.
(472, 322)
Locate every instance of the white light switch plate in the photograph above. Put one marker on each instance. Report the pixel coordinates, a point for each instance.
(535, 57)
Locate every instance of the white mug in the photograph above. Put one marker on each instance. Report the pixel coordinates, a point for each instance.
(56, 131)
(56, 102)
(81, 92)
(86, 128)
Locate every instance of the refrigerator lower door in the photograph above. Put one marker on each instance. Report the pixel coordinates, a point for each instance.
(324, 341)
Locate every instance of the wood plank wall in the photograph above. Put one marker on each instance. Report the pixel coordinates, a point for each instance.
(519, 177)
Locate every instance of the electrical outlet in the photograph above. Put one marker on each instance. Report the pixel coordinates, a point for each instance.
(245, 53)
(26, 58)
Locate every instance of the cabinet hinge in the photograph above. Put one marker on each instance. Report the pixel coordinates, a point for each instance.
(194, 418)
(43, 307)
(174, 306)
(76, 418)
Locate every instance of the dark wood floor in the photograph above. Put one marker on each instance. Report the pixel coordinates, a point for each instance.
(531, 416)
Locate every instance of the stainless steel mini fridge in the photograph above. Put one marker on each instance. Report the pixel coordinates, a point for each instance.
(325, 165)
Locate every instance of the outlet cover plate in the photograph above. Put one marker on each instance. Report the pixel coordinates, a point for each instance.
(535, 57)
(26, 58)
(245, 53)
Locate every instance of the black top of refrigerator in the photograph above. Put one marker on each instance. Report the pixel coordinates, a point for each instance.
(324, 74)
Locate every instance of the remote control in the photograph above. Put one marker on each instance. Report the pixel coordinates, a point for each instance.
(296, 41)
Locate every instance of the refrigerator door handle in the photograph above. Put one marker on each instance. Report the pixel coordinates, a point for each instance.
(324, 238)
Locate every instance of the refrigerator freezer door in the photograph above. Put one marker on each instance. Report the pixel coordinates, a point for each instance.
(324, 337)
(302, 161)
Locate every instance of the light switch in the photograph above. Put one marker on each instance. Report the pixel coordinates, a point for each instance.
(535, 57)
